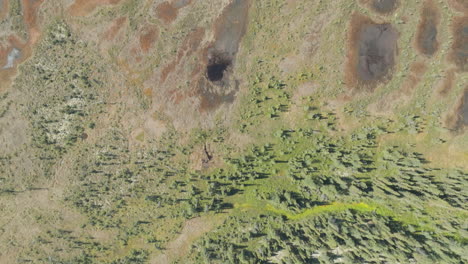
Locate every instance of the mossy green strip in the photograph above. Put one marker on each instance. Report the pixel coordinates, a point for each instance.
(363, 208)
(334, 207)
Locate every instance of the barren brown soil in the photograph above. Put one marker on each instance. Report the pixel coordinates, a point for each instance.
(3, 8)
(459, 5)
(115, 28)
(166, 12)
(447, 83)
(463, 109)
(371, 52)
(211, 98)
(188, 47)
(148, 37)
(426, 39)
(384, 6)
(167, 70)
(459, 54)
(84, 7)
(30, 18)
(459, 118)
(4, 54)
(417, 70)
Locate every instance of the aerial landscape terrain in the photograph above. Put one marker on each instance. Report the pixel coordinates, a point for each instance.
(233, 131)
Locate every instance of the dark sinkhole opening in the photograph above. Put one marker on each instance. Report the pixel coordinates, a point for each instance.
(216, 71)
(217, 67)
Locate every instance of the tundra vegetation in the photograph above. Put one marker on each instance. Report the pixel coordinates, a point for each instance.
(170, 132)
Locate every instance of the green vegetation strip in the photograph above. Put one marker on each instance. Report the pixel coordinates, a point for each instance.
(334, 207)
(360, 207)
